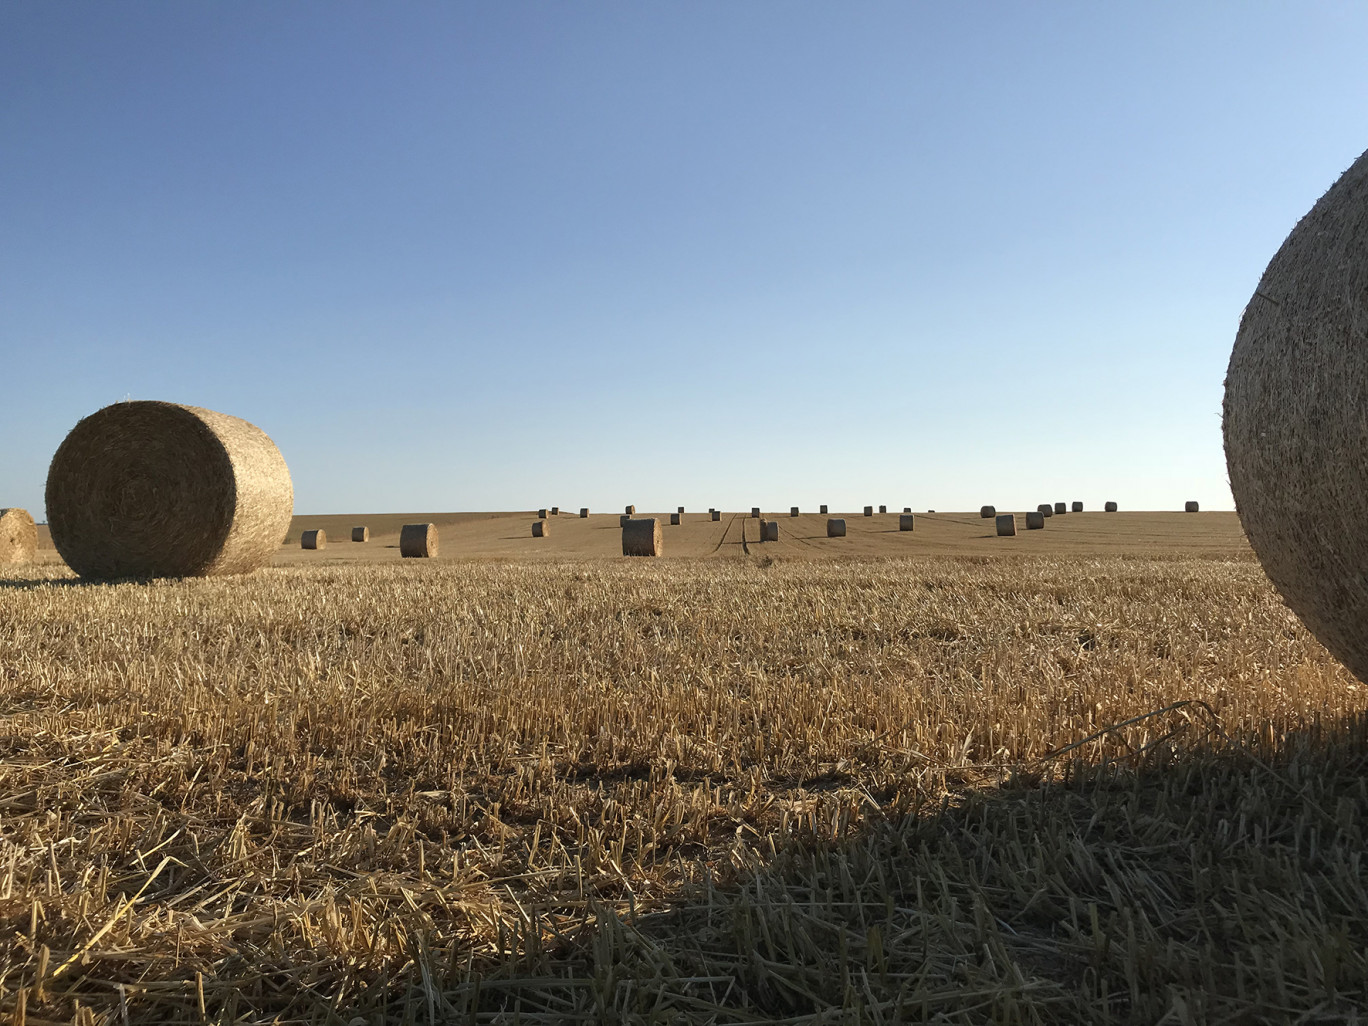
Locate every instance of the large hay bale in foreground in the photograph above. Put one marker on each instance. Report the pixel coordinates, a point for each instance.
(641, 537)
(418, 541)
(153, 489)
(539, 528)
(1035, 521)
(1190, 506)
(315, 539)
(836, 527)
(906, 522)
(1077, 507)
(18, 536)
(987, 512)
(360, 534)
(1006, 525)
(1294, 425)
(1110, 507)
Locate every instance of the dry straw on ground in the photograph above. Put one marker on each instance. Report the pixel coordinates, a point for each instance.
(539, 528)
(314, 539)
(1035, 521)
(906, 522)
(1110, 507)
(152, 489)
(1006, 525)
(987, 512)
(836, 527)
(418, 541)
(360, 534)
(18, 536)
(1191, 506)
(641, 537)
(1294, 424)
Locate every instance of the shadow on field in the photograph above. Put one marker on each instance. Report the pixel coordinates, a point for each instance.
(1210, 887)
(20, 584)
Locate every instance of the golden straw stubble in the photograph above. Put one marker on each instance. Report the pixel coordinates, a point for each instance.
(156, 489)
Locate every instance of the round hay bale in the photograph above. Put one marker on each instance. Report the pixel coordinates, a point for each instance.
(869, 511)
(1190, 506)
(755, 512)
(315, 539)
(555, 511)
(717, 514)
(836, 527)
(1035, 521)
(1006, 525)
(822, 509)
(680, 511)
(675, 519)
(641, 537)
(1045, 509)
(1060, 509)
(987, 512)
(622, 520)
(907, 509)
(539, 528)
(360, 534)
(18, 536)
(769, 530)
(883, 509)
(1110, 507)
(793, 511)
(906, 522)
(542, 513)
(418, 541)
(1295, 433)
(584, 512)
(1077, 507)
(630, 511)
(153, 489)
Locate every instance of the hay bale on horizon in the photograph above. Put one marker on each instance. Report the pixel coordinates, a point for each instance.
(584, 512)
(906, 522)
(822, 509)
(314, 539)
(883, 509)
(1035, 521)
(680, 511)
(1045, 509)
(793, 511)
(755, 512)
(1060, 509)
(418, 541)
(1006, 525)
(869, 511)
(907, 509)
(1110, 507)
(641, 537)
(769, 530)
(675, 519)
(539, 528)
(717, 514)
(630, 511)
(836, 527)
(542, 513)
(1190, 506)
(1077, 507)
(360, 534)
(555, 511)
(155, 489)
(18, 536)
(987, 512)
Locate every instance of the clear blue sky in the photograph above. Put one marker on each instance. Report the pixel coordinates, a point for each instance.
(502, 255)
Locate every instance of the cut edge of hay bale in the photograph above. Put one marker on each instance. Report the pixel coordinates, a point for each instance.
(418, 541)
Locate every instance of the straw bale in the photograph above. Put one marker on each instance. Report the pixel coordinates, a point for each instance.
(675, 518)
(1190, 506)
(987, 512)
(907, 509)
(622, 520)
(360, 534)
(1110, 507)
(836, 527)
(680, 511)
(584, 512)
(153, 489)
(542, 513)
(630, 511)
(717, 514)
(18, 536)
(1061, 508)
(869, 511)
(769, 530)
(883, 509)
(822, 509)
(906, 521)
(1035, 521)
(418, 541)
(315, 539)
(555, 511)
(755, 512)
(1077, 507)
(539, 528)
(1294, 425)
(1006, 525)
(1045, 509)
(793, 511)
(641, 537)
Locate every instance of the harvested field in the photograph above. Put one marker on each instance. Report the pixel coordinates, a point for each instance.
(1042, 789)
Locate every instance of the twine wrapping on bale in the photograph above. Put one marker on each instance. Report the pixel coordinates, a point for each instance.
(418, 541)
(315, 539)
(18, 536)
(717, 514)
(906, 522)
(1294, 425)
(539, 528)
(1045, 509)
(584, 512)
(1035, 521)
(822, 509)
(1006, 525)
(987, 512)
(1110, 507)
(1060, 508)
(153, 489)
(1077, 507)
(360, 534)
(836, 527)
(769, 530)
(1190, 506)
(675, 518)
(641, 537)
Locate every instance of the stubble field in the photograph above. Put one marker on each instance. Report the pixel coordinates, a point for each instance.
(1120, 786)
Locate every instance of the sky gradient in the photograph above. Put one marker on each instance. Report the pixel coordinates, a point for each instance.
(500, 256)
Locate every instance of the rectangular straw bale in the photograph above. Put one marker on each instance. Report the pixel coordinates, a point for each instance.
(1006, 525)
(641, 537)
(360, 534)
(906, 522)
(836, 527)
